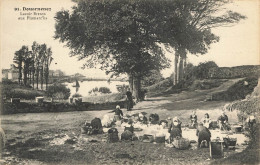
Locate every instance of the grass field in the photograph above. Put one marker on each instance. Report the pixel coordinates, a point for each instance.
(34, 138)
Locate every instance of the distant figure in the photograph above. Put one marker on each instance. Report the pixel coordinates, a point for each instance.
(175, 129)
(203, 135)
(118, 113)
(193, 120)
(129, 100)
(223, 121)
(206, 121)
(251, 121)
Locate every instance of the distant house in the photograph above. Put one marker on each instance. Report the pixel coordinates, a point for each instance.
(10, 74)
(56, 73)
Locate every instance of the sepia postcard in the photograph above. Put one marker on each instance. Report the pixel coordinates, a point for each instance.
(129, 82)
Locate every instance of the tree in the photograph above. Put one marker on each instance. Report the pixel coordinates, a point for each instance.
(192, 28)
(202, 70)
(26, 63)
(42, 57)
(115, 35)
(47, 64)
(124, 36)
(58, 91)
(18, 59)
(154, 77)
(35, 54)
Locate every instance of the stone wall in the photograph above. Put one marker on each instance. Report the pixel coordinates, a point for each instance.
(234, 72)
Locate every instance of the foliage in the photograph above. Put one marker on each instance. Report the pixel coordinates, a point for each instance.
(125, 36)
(202, 70)
(33, 63)
(77, 95)
(8, 82)
(154, 77)
(103, 90)
(58, 91)
(238, 90)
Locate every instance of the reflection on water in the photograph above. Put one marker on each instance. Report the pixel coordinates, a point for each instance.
(87, 86)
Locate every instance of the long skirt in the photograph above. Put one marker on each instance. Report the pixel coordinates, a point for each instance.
(117, 118)
(129, 104)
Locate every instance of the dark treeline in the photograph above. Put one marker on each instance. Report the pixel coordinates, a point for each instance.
(33, 65)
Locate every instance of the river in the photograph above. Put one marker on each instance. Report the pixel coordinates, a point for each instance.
(87, 86)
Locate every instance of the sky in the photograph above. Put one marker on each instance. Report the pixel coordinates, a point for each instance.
(238, 45)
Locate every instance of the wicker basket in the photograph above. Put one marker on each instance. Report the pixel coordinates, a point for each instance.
(160, 139)
(112, 135)
(147, 138)
(181, 143)
(236, 128)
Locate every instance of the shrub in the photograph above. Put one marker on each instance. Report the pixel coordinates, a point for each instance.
(202, 70)
(152, 78)
(58, 91)
(93, 90)
(8, 82)
(77, 95)
(103, 90)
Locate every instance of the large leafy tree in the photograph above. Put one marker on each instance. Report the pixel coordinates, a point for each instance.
(193, 25)
(123, 36)
(116, 35)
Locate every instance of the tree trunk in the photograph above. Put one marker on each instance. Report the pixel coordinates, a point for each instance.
(30, 76)
(25, 76)
(37, 77)
(33, 74)
(181, 72)
(137, 87)
(175, 81)
(41, 77)
(131, 83)
(184, 65)
(20, 73)
(46, 76)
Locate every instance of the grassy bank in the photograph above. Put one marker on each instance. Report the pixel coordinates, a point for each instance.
(14, 90)
(105, 98)
(237, 91)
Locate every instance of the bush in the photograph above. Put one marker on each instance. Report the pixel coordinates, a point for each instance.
(153, 78)
(58, 91)
(8, 82)
(76, 95)
(202, 70)
(93, 90)
(103, 90)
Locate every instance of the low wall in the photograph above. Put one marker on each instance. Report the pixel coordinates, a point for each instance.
(23, 107)
(234, 72)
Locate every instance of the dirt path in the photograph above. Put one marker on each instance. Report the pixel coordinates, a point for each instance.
(31, 137)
